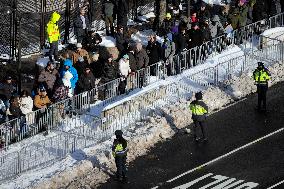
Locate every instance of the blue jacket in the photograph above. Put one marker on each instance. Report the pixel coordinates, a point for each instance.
(73, 71)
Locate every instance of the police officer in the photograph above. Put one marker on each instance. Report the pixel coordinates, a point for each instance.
(119, 152)
(53, 37)
(261, 76)
(199, 110)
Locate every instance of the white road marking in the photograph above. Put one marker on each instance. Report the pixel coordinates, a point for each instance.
(277, 184)
(228, 184)
(187, 185)
(225, 155)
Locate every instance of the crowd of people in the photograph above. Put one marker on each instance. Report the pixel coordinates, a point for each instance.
(86, 65)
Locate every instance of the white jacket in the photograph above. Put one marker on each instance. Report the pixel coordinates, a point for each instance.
(26, 104)
(124, 67)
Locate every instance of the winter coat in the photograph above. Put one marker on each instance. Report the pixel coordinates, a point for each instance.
(195, 38)
(132, 61)
(26, 104)
(82, 53)
(121, 42)
(14, 111)
(203, 15)
(215, 26)
(48, 77)
(78, 26)
(169, 50)
(238, 16)
(142, 59)
(181, 41)
(87, 82)
(108, 9)
(7, 91)
(259, 11)
(273, 7)
(205, 29)
(124, 67)
(60, 93)
(154, 52)
(199, 117)
(72, 70)
(122, 13)
(110, 71)
(92, 46)
(41, 101)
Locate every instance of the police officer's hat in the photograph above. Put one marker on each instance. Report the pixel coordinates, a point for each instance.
(198, 96)
(260, 63)
(118, 133)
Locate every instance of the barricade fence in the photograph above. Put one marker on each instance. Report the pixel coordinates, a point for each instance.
(89, 130)
(42, 120)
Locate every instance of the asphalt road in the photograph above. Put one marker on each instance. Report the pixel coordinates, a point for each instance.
(259, 165)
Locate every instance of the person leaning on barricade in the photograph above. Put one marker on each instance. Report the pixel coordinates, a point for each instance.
(59, 95)
(142, 60)
(168, 51)
(41, 103)
(124, 71)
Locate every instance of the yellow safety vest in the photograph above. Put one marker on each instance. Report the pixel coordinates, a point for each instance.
(119, 150)
(52, 28)
(261, 76)
(197, 109)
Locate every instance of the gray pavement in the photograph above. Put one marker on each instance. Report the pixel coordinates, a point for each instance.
(259, 165)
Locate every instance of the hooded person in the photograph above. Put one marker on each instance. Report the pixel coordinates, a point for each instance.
(68, 67)
(53, 35)
(67, 82)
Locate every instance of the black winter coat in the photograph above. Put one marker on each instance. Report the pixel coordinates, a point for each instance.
(7, 91)
(142, 59)
(154, 52)
(110, 71)
(181, 41)
(78, 26)
(195, 37)
(122, 12)
(121, 42)
(86, 82)
(260, 10)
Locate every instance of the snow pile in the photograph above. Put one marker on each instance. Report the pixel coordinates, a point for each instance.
(236, 88)
(277, 73)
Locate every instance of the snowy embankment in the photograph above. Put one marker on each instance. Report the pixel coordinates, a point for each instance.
(90, 167)
(163, 124)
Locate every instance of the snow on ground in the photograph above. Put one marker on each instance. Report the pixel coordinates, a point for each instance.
(163, 123)
(277, 33)
(146, 17)
(216, 2)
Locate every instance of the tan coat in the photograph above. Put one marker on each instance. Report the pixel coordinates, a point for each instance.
(82, 53)
(41, 101)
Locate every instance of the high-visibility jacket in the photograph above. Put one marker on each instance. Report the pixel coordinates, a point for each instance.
(52, 28)
(261, 76)
(199, 109)
(119, 148)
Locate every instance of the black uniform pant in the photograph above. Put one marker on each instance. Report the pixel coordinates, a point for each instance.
(120, 162)
(197, 124)
(261, 91)
(53, 51)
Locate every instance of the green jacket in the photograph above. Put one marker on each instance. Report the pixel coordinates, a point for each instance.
(238, 16)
